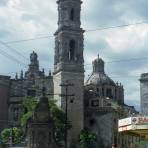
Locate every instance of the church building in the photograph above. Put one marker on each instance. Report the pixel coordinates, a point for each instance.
(13, 91)
(69, 64)
(95, 105)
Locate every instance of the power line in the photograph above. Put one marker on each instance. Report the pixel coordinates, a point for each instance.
(17, 52)
(10, 57)
(4, 53)
(114, 77)
(104, 28)
(87, 31)
(113, 27)
(124, 60)
(26, 40)
(128, 60)
(12, 49)
(126, 76)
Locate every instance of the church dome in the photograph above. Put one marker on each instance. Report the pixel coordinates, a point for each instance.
(100, 79)
(98, 76)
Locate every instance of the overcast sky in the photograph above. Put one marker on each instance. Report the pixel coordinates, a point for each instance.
(25, 19)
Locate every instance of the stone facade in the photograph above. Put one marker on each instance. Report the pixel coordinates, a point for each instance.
(13, 91)
(41, 127)
(144, 93)
(104, 105)
(103, 85)
(96, 105)
(69, 65)
(103, 121)
(4, 96)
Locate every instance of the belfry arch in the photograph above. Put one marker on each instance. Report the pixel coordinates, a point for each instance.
(72, 45)
(72, 14)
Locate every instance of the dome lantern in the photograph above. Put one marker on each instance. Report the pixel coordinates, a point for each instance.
(98, 65)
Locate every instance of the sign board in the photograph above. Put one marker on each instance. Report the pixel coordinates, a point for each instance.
(133, 121)
(125, 122)
(139, 120)
(133, 128)
(125, 128)
(137, 125)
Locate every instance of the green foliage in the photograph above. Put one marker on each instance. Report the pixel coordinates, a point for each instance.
(142, 144)
(29, 105)
(15, 133)
(2, 145)
(5, 134)
(57, 115)
(58, 118)
(87, 139)
(25, 118)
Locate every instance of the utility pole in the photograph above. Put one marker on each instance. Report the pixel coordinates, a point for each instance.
(66, 95)
(10, 138)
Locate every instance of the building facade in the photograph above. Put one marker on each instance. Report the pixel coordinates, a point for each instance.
(103, 85)
(96, 105)
(13, 91)
(69, 65)
(4, 96)
(144, 93)
(104, 105)
(41, 126)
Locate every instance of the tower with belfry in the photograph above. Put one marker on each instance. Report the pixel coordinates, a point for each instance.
(69, 65)
(94, 106)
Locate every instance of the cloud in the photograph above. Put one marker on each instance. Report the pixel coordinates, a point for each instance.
(26, 18)
(132, 38)
(20, 19)
(3, 2)
(4, 33)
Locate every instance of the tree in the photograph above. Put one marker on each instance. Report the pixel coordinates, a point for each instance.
(29, 105)
(2, 144)
(87, 139)
(15, 133)
(57, 115)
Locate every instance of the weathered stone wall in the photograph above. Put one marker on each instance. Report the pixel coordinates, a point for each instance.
(18, 91)
(102, 124)
(75, 104)
(103, 121)
(4, 94)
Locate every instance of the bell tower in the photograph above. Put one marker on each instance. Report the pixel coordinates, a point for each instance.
(69, 65)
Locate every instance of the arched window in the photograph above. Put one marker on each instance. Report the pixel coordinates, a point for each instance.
(72, 50)
(16, 114)
(72, 13)
(109, 93)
